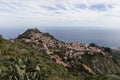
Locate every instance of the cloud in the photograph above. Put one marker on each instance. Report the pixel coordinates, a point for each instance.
(80, 6)
(100, 7)
(57, 10)
(60, 6)
(50, 8)
(31, 6)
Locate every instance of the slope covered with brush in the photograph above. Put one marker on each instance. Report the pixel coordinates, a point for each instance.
(40, 54)
(19, 62)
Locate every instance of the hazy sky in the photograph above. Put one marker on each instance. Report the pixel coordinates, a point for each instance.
(20, 13)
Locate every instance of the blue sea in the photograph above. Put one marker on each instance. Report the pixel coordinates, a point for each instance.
(101, 36)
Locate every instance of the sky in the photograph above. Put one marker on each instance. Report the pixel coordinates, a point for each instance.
(62, 13)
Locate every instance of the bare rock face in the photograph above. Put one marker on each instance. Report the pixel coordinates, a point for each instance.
(59, 60)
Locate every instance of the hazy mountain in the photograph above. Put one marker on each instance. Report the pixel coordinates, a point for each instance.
(37, 55)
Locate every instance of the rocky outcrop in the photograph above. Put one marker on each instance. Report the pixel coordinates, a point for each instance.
(88, 69)
(59, 60)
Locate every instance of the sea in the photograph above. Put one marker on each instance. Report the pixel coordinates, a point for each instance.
(106, 37)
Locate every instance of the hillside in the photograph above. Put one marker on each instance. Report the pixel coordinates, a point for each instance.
(36, 55)
(19, 62)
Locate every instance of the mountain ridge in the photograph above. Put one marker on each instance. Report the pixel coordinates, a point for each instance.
(79, 59)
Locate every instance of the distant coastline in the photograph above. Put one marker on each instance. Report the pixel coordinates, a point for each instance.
(102, 37)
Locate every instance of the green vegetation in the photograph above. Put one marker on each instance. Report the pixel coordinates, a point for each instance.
(21, 60)
(18, 62)
(28, 33)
